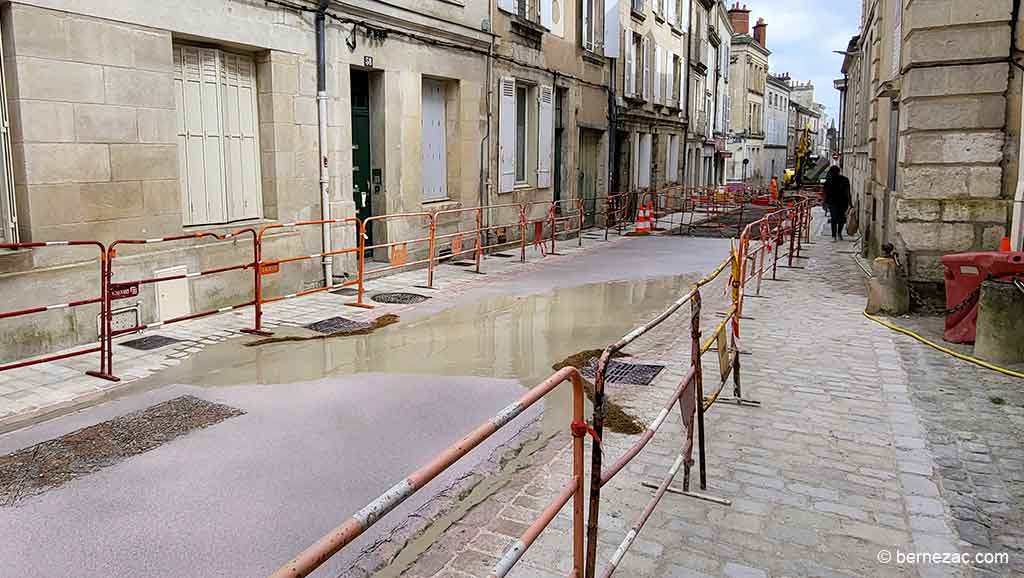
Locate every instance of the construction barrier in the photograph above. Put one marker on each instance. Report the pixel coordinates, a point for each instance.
(398, 251)
(124, 289)
(315, 555)
(266, 267)
(500, 231)
(104, 371)
(773, 229)
(690, 398)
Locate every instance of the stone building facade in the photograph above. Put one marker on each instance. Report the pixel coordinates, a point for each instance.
(135, 119)
(723, 95)
(749, 63)
(931, 129)
(776, 123)
(647, 39)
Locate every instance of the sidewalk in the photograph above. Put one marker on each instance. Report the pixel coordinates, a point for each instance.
(865, 442)
(37, 390)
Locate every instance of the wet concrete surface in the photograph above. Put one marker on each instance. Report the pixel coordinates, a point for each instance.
(330, 423)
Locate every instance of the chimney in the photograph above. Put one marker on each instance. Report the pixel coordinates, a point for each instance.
(740, 19)
(759, 32)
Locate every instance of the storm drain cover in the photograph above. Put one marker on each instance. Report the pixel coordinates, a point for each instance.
(53, 463)
(150, 342)
(502, 255)
(336, 325)
(620, 372)
(399, 298)
(346, 291)
(463, 263)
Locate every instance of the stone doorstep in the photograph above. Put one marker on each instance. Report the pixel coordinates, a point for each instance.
(131, 365)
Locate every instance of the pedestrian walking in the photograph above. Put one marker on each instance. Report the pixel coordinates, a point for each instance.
(837, 200)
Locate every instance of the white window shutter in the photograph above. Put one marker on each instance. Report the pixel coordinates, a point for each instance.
(507, 135)
(671, 80)
(630, 68)
(546, 18)
(433, 153)
(657, 74)
(238, 90)
(545, 136)
(684, 18)
(670, 11)
(588, 25)
(645, 90)
(509, 6)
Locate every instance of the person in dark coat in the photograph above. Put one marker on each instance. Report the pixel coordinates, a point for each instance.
(837, 200)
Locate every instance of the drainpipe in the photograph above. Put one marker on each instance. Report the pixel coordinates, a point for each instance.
(485, 142)
(321, 101)
(684, 90)
(1017, 225)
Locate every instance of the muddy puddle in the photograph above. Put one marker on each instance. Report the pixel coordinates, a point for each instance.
(517, 337)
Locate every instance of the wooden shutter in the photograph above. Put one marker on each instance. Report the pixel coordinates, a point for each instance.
(546, 17)
(670, 12)
(507, 135)
(670, 82)
(657, 73)
(242, 166)
(545, 136)
(629, 78)
(511, 6)
(645, 47)
(588, 24)
(434, 173)
(200, 136)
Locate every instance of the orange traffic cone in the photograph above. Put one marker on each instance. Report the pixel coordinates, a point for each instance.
(643, 222)
(1004, 245)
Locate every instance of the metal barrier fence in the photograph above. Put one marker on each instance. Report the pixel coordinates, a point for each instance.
(330, 544)
(104, 372)
(273, 266)
(130, 288)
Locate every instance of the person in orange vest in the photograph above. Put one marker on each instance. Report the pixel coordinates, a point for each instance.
(773, 187)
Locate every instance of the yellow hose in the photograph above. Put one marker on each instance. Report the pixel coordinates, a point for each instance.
(945, 350)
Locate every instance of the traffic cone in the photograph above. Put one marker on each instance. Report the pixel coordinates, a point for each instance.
(643, 223)
(1004, 245)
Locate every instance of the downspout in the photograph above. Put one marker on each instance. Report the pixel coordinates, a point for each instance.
(485, 142)
(1017, 224)
(613, 133)
(684, 89)
(321, 101)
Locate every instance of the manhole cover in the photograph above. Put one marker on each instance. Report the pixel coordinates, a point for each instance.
(463, 263)
(337, 324)
(346, 291)
(399, 298)
(502, 255)
(620, 372)
(150, 342)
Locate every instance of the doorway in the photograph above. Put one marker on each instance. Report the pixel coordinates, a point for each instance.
(590, 145)
(559, 142)
(361, 191)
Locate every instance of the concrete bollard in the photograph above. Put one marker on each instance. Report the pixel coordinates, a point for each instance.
(1000, 335)
(888, 292)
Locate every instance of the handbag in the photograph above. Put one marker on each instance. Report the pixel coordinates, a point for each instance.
(852, 226)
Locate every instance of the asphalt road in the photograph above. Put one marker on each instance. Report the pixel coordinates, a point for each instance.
(242, 497)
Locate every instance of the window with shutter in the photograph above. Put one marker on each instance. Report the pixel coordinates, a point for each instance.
(670, 87)
(218, 152)
(545, 136)
(630, 63)
(645, 80)
(433, 150)
(507, 135)
(657, 74)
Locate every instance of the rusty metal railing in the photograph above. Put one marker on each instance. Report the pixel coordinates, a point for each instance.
(330, 544)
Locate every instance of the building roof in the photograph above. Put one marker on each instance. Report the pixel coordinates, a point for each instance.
(780, 82)
(748, 40)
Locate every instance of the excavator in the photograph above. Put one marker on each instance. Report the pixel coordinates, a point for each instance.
(794, 178)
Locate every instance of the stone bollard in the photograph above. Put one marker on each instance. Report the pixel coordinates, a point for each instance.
(888, 292)
(1000, 336)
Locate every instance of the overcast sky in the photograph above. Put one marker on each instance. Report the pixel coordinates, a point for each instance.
(802, 36)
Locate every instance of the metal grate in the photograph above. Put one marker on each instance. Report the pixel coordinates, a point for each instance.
(346, 291)
(463, 263)
(502, 255)
(399, 298)
(150, 342)
(631, 373)
(337, 324)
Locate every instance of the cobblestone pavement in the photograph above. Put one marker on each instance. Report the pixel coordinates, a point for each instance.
(867, 445)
